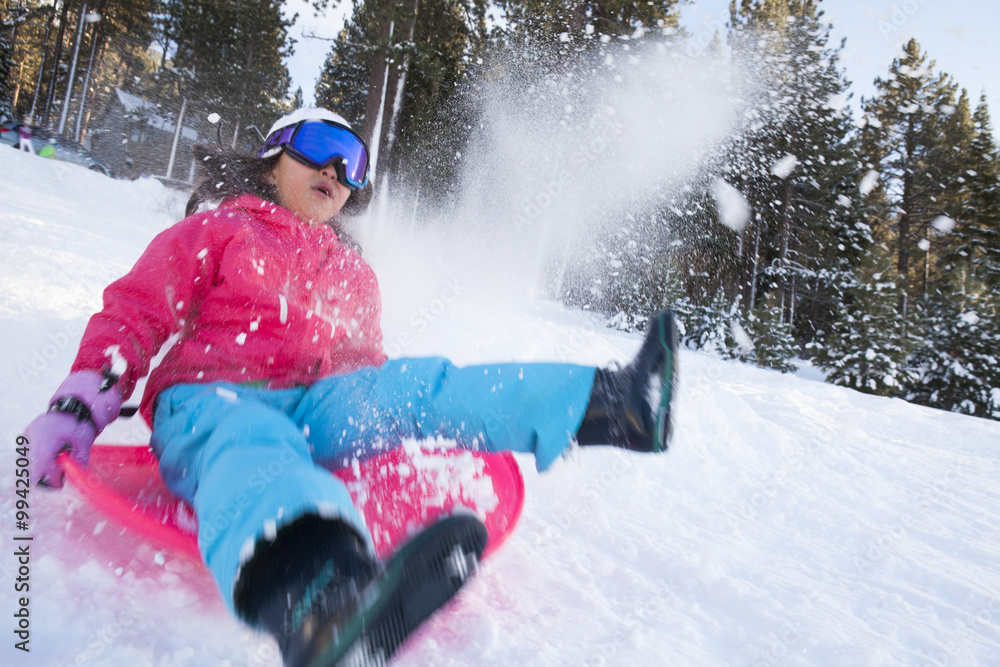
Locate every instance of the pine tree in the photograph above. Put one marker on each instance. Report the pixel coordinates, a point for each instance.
(398, 84)
(771, 335)
(909, 124)
(866, 346)
(708, 326)
(6, 61)
(229, 58)
(798, 167)
(981, 217)
(957, 364)
(12, 17)
(343, 81)
(547, 19)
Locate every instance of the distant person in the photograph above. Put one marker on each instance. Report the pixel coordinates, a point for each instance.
(24, 136)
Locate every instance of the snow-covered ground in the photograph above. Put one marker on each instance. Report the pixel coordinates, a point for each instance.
(792, 523)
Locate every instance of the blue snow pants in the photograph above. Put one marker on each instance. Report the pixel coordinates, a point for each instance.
(250, 460)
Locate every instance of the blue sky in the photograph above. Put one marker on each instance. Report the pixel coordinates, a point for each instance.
(307, 62)
(960, 35)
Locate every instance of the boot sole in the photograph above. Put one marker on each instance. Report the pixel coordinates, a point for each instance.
(419, 579)
(664, 417)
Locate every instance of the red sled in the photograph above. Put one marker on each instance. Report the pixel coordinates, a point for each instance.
(398, 493)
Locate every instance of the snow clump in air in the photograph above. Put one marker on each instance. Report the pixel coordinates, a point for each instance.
(783, 167)
(943, 224)
(734, 211)
(868, 182)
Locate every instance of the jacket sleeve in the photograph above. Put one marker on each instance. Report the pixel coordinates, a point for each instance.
(153, 300)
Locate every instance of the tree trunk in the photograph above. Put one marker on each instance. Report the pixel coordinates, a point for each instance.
(786, 235)
(753, 273)
(907, 203)
(397, 90)
(385, 86)
(100, 65)
(17, 88)
(51, 96)
(41, 63)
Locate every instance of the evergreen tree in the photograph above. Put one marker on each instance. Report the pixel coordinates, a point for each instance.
(909, 126)
(343, 81)
(771, 336)
(866, 346)
(412, 103)
(979, 249)
(545, 19)
(797, 166)
(10, 15)
(950, 241)
(957, 364)
(708, 326)
(229, 58)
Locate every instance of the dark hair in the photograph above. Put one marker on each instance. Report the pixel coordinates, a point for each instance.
(224, 173)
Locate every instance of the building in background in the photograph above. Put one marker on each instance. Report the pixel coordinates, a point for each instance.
(136, 136)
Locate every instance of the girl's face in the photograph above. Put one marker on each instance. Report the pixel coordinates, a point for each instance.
(314, 195)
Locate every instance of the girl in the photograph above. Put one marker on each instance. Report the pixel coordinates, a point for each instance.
(278, 364)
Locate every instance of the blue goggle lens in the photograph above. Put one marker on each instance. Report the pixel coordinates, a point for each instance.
(320, 143)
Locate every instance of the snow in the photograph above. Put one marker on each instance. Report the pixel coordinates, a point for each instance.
(970, 317)
(943, 224)
(837, 102)
(734, 211)
(783, 167)
(792, 522)
(868, 182)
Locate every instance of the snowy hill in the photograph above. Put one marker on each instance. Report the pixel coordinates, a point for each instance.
(793, 522)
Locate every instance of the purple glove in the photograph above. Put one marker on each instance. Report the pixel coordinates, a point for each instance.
(84, 404)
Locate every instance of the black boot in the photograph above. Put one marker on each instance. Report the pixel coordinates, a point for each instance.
(630, 408)
(327, 602)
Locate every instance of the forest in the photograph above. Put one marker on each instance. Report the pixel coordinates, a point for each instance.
(863, 238)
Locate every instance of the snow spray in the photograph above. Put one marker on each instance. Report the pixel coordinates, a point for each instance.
(559, 155)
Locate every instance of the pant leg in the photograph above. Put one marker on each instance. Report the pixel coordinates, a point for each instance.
(531, 407)
(235, 455)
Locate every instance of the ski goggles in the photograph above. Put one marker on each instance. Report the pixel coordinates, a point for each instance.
(322, 143)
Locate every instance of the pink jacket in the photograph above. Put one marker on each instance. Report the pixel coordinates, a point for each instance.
(255, 294)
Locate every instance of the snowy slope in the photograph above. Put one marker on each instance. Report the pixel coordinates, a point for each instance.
(793, 523)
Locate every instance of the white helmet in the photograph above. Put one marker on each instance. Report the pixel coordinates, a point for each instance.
(297, 116)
